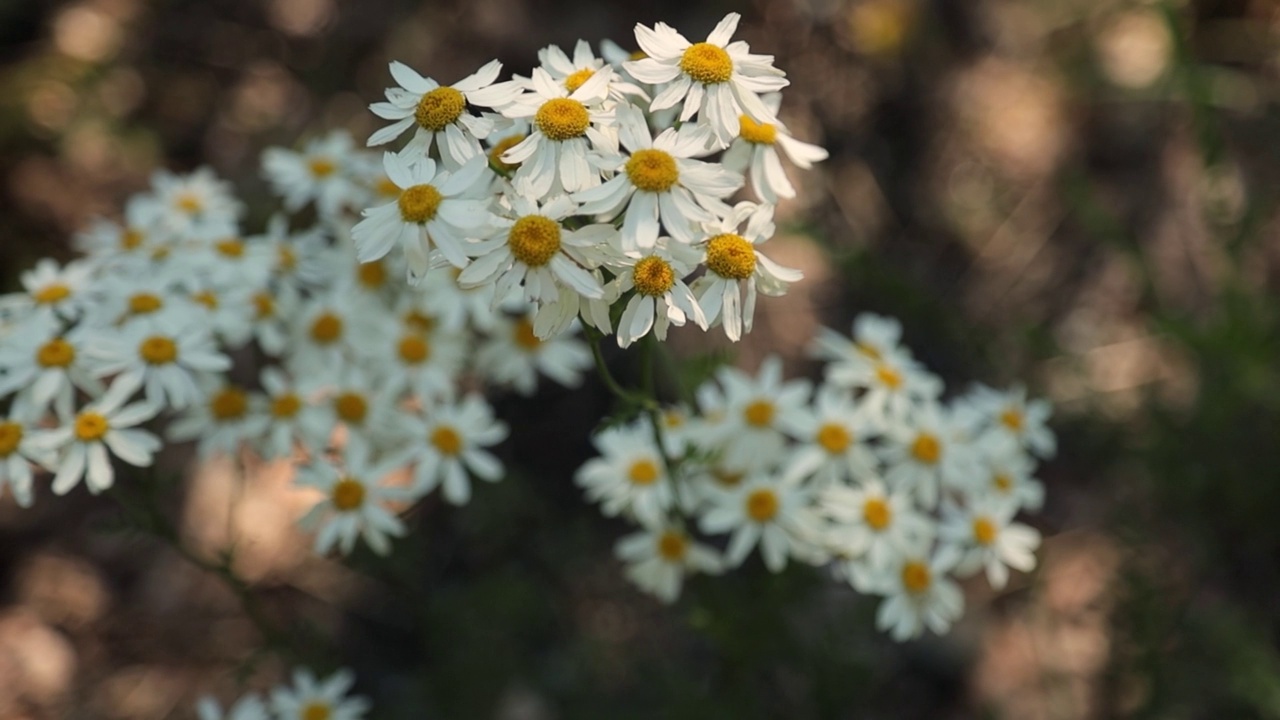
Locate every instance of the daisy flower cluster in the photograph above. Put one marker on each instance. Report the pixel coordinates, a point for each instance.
(598, 187)
(870, 473)
(304, 698)
(177, 325)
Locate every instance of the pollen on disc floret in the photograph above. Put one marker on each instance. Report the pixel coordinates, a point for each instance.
(562, 119)
(419, 203)
(729, 255)
(653, 276)
(708, 64)
(652, 170)
(534, 240)
(439, 108)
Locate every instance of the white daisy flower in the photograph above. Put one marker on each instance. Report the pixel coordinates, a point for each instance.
(115, 242)
(102, 428)
(292, 419)
(918, 594)
(989, 540)
(661, 297)
(166, 358)
(630, 476)
(660, 558)
(874, 337)
(660, 181)
(533, 250)
(194, 205)
(733, 262)
(448, 441)
(249, 707)
(51, 290)
(755, 152)
(127, 299)
(759, 511)
(573, 72)
(928, 453)
(424, 358)
(329, 331)
(892, 384)
(513, 355)
(751, 430)
(320, 173)
(562, 153)
(432, 211)
(228, 312)
(833, 439)
(356, 400)
(718, 80)
(1009, 415)
(353, 504)
(440, 113)
(310, 699)
(1008, 475)
(222, 423)
(42, 366)
(18, 451)
(872, 526)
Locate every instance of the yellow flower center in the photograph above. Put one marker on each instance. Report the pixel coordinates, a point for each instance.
(672, 546)
(447, 440)
(189, 203)
(926, 448)
(317, 711)
(653, 276)
(351, 407)
(438, 108)
(916, 577)
(50, 294)
(762, 505)
(562, 119)
(56, 353)
(638, 55)
(643, 472)
(759, 413)
(158, 350)
(1002, 482)
(868, 350)
(145, 303)
(207, 298)
(652, 170)
(889, 377)
(1012, 419)
(419, 203)
(413, 349)
(347, 495)
(984, 531)
(326, 328)
(91, 426)
(372, 275)
(576, 79)
(706, 63)
(495, 155)
(264, 305)
(758, 133)
(419, 321)
(229, 404)
(131, 239)
(230, 247)
(673, 418)
(321, 167)
(877, 513)
(287, 259)
(534, 240)
(286, 405)
(731, 256)
(834, 438)
(10, 438)
(524, 335)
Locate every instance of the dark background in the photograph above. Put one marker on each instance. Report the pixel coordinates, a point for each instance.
(1080, 195)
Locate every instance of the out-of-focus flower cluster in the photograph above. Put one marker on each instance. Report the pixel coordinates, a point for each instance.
(304, 698)
(870, 473)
